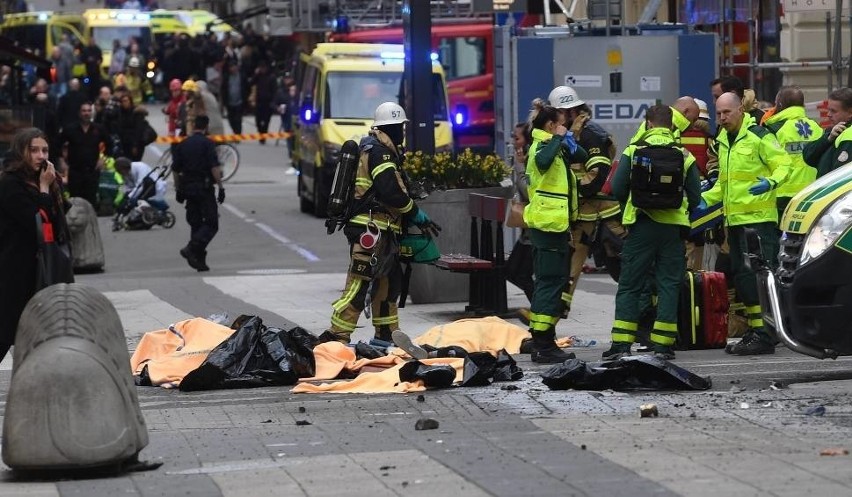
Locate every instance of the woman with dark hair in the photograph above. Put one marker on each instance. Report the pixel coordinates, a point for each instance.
(28, 182)
(551, 210)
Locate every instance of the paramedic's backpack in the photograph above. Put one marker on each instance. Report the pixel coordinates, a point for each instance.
(656, 176)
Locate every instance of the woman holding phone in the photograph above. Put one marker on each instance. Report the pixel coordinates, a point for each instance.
(28, 182)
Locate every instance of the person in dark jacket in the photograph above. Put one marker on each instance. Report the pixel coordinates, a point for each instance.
(28, 182)
(69, 104)
(131, 124)
(197, 169)
(231, 94)
(264, 85)
(84, 140)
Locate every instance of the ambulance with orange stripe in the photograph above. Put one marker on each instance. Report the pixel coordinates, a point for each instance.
(807, 301)
(342, 84)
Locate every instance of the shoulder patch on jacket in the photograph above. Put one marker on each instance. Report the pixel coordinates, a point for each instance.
(758, 130)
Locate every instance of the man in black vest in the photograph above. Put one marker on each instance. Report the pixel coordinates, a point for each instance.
(197, 169)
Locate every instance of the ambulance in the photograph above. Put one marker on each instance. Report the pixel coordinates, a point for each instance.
(107, 25)
(42, 31)
(342, 84)
(807, 301)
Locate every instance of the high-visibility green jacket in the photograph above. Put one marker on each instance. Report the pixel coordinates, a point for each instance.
(691, 182)
(794, 129)
(681, 124)
(753, 152)
(552, 185)
(826, 155)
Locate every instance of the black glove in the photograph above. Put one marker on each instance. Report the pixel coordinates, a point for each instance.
(431, 229)
(221, 197)
(179, 197)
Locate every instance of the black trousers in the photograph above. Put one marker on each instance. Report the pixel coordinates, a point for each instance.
(202, 215)
(262, 115)
(84, 184)
(235, 119)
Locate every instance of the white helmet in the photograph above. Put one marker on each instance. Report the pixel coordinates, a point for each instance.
(564, 97)
(702, 109)
(389, 113)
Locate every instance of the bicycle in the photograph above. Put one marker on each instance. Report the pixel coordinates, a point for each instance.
(229, 159)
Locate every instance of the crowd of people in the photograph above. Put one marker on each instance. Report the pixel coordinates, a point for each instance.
(752, 165)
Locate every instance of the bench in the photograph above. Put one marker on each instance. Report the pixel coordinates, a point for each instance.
(486, 262)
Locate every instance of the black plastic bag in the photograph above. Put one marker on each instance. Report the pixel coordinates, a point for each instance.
(433, 376)
(478, 369)
(627, 373)
(506, 369)
(255, 356)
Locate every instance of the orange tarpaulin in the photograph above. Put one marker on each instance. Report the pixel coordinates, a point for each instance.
(172, 353)
(334, 357)
(488, 334)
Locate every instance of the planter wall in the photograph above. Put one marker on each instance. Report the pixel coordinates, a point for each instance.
(449, 209)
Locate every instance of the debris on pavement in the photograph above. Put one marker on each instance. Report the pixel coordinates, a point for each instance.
(648, 411)
(776, 385)
(426, 424)
(815, 411)
(744, 405)
(834, 451)
(421, 398)
(303, 422)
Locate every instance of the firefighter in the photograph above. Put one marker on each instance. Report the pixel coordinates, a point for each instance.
(192, 107)
(698, 140)
(834, 148)
(752, 164)
(594, 206)
(793, 129)
(136, 82)
(552, 207)
(382, 206)
(658, 220)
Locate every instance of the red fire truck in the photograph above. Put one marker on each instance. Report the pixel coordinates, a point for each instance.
(467, 54)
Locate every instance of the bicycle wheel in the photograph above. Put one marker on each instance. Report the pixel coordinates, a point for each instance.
(229, 159)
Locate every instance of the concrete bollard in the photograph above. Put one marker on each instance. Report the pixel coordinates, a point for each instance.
(72, 403)
(86, 245)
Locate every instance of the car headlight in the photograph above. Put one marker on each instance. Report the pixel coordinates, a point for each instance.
(831, 224)
(331, 152)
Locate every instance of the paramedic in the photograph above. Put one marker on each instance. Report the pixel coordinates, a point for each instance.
(657, 231)
(752, 164)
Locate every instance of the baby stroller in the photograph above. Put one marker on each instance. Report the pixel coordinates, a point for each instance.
(136, 213)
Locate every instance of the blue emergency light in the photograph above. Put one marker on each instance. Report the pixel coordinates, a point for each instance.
(460, 115)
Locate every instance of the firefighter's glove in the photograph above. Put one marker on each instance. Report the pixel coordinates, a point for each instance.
(221, 196)
(179, 197)
(570, 142)
(762, 186)
(431, 229)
